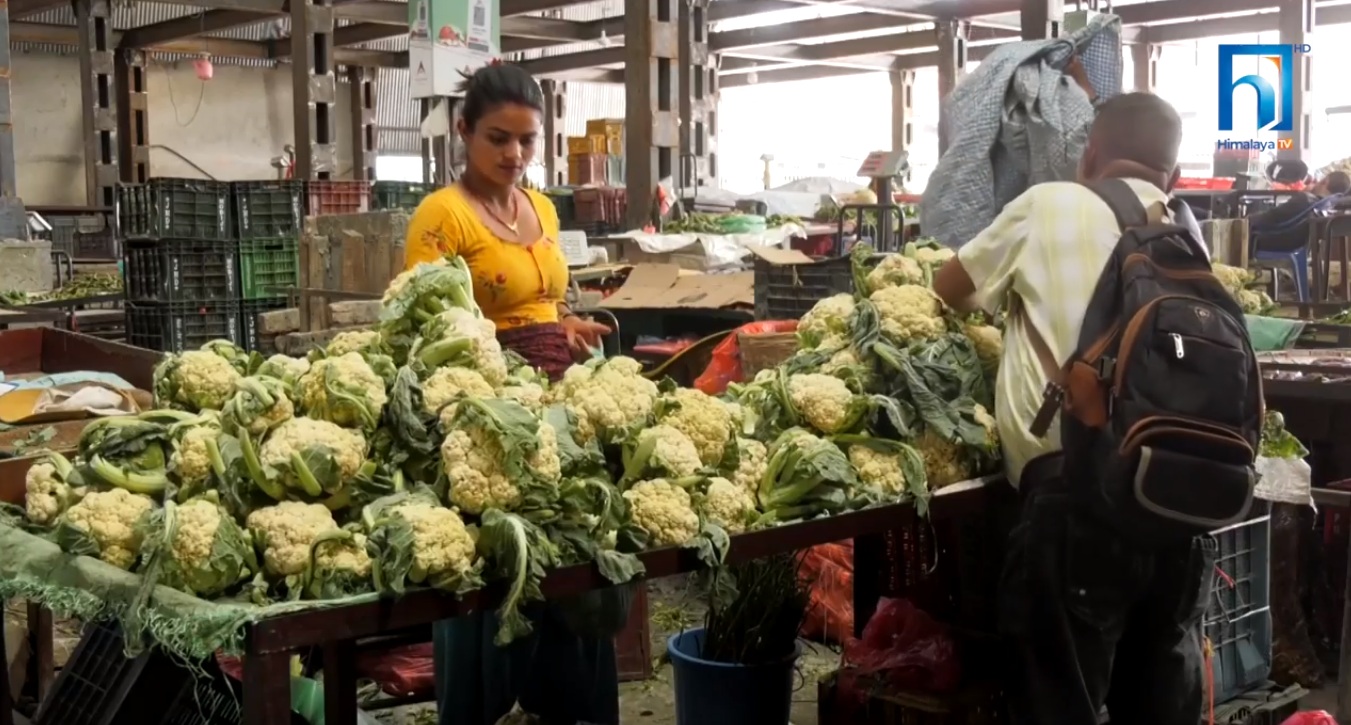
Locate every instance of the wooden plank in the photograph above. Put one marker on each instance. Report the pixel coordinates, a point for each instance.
(354, 267)
(319, 262)
(378, 261)
(333, 272)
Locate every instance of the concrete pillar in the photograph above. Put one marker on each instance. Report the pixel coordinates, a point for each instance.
(1041, 19)
(314, 88)
(133, 116)
(651, 140)
(952, 57)
(361, 86)
(94, 27)
(902, 109)
(698, 97)
(555, 132)
(1145, 56)
(8, 165)
(1296, 25)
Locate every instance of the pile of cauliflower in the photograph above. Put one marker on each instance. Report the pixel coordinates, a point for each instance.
(420, 453)
(1238, 282)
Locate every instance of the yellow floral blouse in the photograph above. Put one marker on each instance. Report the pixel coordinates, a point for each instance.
(515, 284)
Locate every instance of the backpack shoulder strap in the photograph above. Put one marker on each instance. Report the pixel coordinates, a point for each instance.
(1125, 205)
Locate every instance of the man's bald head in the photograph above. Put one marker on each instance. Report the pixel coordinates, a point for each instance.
(1137, 131)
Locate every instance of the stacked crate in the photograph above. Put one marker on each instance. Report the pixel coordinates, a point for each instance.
(180, 263)
(268, 216)
(597, 159)
(406, 195)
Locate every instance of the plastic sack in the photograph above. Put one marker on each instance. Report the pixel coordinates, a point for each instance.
(829, 571)
(400, 671)
(1311, 717)
(725, 366)
(905, 648)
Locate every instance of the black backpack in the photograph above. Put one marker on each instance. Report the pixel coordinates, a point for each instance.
(1162, 400)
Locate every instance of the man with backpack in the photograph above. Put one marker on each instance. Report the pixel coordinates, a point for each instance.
(1129, 408)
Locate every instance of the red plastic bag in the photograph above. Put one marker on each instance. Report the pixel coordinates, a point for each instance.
(1311, 717)
(400, 671)
(725, 366)
(907, 648)
(829, 569)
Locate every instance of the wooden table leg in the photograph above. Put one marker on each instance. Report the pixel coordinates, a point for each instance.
(340, 683)
(42, 657)
(267, 689)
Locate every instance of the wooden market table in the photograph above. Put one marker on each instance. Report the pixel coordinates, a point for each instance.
(270, 643)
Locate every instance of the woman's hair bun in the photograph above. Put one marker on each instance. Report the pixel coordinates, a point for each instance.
(496, 84)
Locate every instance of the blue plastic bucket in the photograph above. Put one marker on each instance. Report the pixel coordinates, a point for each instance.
(718, 693)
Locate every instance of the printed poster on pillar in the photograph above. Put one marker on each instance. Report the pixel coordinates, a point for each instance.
(449, 38)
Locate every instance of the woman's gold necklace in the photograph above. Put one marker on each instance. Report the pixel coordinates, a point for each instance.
(515, 223)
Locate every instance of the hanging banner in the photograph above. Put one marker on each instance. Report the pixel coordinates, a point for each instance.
(447, 39)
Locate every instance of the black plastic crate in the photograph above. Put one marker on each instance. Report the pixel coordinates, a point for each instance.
(266, 209)
(175, 209)
(179, 326)
(399, 194)
(83, 237)
(181, 271)
(101, 686)
(249, 311)
(788, 291)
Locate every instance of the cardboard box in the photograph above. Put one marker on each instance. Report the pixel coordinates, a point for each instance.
(667, 287)
(691, 256)
(583, 145)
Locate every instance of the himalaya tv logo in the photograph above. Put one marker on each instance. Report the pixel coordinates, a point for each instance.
(1275, 111)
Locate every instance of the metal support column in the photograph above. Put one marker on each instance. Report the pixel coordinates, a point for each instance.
(902, 110)
(361, 84)
(555, 134)
(315, 88)
(94, 27)
(133, 120)
(952, 57)
(1145, 56)
(1296, 25)
(1041, 19)
(698, 97)
(651, 141)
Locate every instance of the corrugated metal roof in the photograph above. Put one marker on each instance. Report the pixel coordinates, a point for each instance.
(586, 101)
(396, 113)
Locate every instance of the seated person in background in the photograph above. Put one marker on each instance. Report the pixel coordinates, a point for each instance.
(1290, 238)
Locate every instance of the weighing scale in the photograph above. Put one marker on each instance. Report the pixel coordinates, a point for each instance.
(886, 233)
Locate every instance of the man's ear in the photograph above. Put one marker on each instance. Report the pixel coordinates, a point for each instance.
(1172, 179)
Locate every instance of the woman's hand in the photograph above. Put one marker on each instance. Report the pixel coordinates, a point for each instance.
(583, 335)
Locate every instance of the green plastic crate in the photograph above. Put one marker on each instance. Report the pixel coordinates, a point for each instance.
(399, 194)
(268, 267)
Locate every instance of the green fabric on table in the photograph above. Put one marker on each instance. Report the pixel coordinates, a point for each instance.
(1270, 334)
(90, 590)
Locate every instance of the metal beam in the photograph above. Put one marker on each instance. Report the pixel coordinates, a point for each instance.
(1041, 19)
(133, 116)
(786, 75)
(314, 88)
(1145, 57)
(698, 97)
(952, 59)
(361, 85)
(1296, 19)
(201, 24)
(791, 55)
(1259, 23)
(902, 110)
(556, 64)
(94, 28)
(365, 33)
(805, 30)
(1174, 10)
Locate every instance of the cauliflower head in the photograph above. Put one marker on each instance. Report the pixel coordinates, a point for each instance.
(705, 420)
(285, 533)
(1232, 278)
(191, 459)
(441, 542)
(825, 402)
(194, 380)
(474, 462)
(313, 457)
(343, 390)
(607, 398)
(894, 270)
(459, 337)
(114, 521)
(728, 505)
(831, 317)
(357, 341)
(47, 491)
(207, 551)
(448, 384)
(878, 469)
(947, 462)
(664, 511)
(1254, 302)
(909, 312)
(932, 257)
(258, 405)
(989, 343)
(529, 394)
(284, 368)
(662, 449)
(753, 459)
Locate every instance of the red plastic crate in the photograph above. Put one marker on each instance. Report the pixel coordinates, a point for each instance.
(326, 198)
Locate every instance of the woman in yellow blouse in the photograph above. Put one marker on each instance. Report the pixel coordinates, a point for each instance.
(509, 238)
